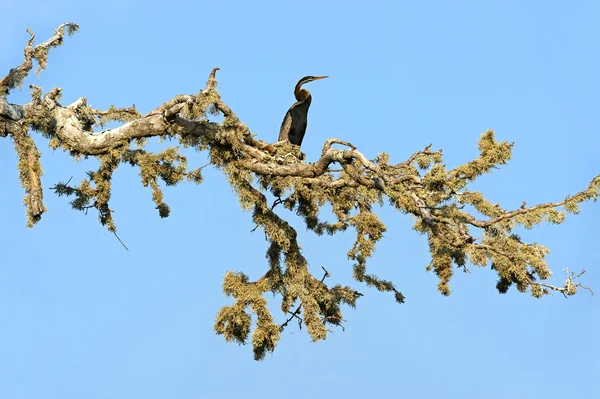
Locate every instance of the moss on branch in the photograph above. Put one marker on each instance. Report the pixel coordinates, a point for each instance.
(462, 227)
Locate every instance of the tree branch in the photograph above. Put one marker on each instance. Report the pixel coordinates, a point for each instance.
(420, 186)
(15, 76)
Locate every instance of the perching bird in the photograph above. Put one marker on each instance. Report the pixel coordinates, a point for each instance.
(294, 123)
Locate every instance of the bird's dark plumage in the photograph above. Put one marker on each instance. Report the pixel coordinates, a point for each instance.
(293, 127)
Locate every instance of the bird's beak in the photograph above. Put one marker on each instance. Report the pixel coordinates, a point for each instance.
(320, 77)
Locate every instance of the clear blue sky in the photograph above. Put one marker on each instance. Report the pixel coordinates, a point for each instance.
(82, 318)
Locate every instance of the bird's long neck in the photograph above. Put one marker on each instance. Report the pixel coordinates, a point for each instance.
(301, 94)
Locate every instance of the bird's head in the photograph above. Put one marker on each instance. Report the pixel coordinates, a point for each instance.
(302, 94)
(307, 79)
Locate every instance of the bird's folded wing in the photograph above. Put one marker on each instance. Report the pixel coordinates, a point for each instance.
(285, 127)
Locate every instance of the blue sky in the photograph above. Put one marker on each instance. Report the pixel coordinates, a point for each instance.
(81, 317)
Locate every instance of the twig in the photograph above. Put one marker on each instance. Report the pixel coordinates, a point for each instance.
(296, 312)
(122, 243)
(293, 314)
(566, 290)
(276, 202)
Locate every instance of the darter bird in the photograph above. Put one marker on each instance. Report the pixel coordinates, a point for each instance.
(293, 127)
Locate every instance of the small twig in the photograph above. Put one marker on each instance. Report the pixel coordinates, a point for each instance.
(85, 208)
(426, 151)
(276, 202)
(293, 314)
(122, 243)
(296, 312)
(568, 284)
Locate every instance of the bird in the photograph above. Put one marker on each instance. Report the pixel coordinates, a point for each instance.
(293, 126)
